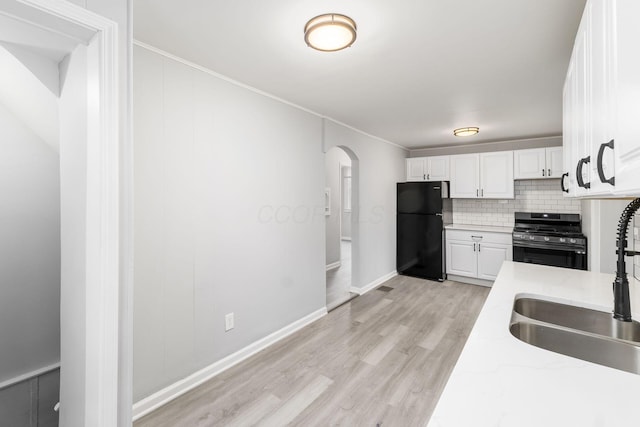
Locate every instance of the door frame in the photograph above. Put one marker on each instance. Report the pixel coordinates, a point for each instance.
(102, 373)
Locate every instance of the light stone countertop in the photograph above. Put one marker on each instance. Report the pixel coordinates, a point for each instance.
(502, 381)
(486, 228)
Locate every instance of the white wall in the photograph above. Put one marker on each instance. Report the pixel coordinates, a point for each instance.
(374, 176)
(334, 159)
(229, 217)
(29, 249)
(345, 225)
(73, 184)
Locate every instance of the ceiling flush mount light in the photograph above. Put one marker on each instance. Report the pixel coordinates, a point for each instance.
(330, 32)
(466, 131)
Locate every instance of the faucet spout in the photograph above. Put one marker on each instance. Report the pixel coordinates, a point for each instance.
(621, 302)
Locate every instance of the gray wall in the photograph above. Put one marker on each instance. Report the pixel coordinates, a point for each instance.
(334, 159)
(29, 249)
(229, 217)
(600, 225)
(486, 147)
(31, 402)
(378, 168)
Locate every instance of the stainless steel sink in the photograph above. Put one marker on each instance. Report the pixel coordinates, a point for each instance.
(578, 332)
(583, 319)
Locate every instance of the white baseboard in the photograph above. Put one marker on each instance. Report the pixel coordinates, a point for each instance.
(333, 265)
(150, 403)
(346, 239)
(380, 280)
(470, 280)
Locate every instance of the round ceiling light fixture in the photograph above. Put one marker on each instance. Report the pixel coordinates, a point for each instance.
(330, 32)
(468, 131)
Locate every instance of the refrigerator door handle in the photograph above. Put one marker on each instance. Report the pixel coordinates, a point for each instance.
(438, 214)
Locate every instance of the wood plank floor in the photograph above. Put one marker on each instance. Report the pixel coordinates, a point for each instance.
(379, 360)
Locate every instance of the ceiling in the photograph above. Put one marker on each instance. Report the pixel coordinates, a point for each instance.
(418, 69)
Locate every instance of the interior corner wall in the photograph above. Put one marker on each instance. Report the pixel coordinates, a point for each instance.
(229, 218)
(379, 166)
(29, 249)
(600, 225)
(334, 159)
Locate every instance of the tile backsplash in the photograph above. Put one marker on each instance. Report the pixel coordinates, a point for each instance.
(534, 195)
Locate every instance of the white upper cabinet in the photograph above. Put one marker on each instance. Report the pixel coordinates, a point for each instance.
(465, 176)
(434, 168)
(529, 164)
(553, 160)
(537, 163)
(438, 168)
(484, 175)
(601, 101)
(416, 169)
(496, 175)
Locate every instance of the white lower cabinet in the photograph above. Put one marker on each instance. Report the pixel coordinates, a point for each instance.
(477, 254)
(461, 258)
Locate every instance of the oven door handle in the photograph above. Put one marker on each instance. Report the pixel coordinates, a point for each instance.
(577, 249)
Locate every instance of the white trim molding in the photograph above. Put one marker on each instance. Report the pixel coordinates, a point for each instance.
(372, 285)
(333, 265)
(167, 394)
(102, 209)
(29, 375)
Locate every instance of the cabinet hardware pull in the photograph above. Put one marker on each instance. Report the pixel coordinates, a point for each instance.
(478, 247)
(548, 172)
(427, 177)
(482, 193)
(562, 187)
(424, 176)
(476, 237)
(477, 192)
(603, 179)
(542, 172)
(474, 247)
(581, 163)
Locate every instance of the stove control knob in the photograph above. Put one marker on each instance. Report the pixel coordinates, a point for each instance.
(563, 240)
(572, 240)
(546, 239)
(532, 237)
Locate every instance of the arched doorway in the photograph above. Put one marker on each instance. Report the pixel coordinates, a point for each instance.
(340, 224)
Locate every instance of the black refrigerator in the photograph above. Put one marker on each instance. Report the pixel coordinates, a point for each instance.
(424, 208)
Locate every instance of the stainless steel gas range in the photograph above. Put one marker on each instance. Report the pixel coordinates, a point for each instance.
(550, 239)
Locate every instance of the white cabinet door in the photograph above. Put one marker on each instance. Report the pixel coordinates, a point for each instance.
(490, 259)
(438, 168)
(465, 176)
(496, 175)
(529, 164)
(568, 182)
(416, 169)
(553, 160)
(626, 74)
(462, 258)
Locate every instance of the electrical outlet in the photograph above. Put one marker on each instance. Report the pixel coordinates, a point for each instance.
(228, 322)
